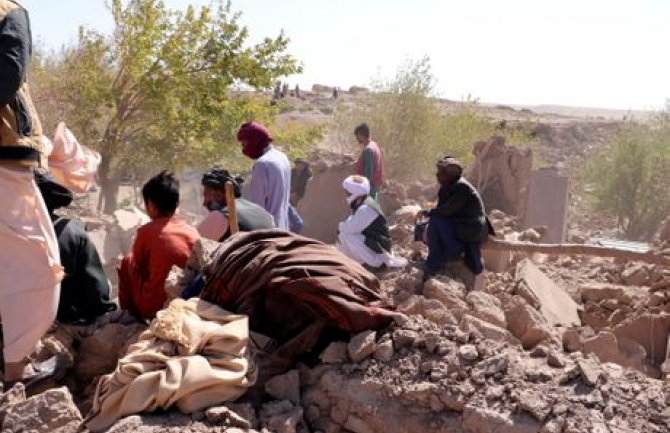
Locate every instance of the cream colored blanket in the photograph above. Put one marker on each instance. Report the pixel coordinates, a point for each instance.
(194, 355)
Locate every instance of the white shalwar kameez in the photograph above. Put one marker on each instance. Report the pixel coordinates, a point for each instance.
(30, 270)
(351, 241)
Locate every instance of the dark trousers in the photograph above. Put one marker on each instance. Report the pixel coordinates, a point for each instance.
(443, 244)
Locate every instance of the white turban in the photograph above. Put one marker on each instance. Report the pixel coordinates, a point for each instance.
(356, 186)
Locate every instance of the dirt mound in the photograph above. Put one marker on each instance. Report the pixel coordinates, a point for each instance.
(553, 344)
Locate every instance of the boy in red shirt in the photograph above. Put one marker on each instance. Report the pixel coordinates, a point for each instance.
(159, 244)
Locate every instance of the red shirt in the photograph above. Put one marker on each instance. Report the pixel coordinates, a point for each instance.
(377, 178)
(158, 246)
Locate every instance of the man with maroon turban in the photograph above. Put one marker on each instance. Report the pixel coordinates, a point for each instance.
(270, 185)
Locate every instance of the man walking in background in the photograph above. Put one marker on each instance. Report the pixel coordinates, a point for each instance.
(270, 186)
(370, 163)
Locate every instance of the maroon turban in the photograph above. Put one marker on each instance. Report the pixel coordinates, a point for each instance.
(254, 138)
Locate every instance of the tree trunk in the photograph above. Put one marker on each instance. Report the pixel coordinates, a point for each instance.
(109, 188)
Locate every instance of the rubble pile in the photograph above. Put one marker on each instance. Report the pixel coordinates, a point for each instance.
(548, 344)
(662, 239)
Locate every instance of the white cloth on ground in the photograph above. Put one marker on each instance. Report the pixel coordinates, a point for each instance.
(30, 270)
(351, 241)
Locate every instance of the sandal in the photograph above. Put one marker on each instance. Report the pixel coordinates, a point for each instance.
(53, 368)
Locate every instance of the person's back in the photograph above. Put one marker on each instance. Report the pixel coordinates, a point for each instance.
(159, 245)
(270, 185)
(84, 289)
(164, 242)
(272, 175)
(250, 217)
(216, 225)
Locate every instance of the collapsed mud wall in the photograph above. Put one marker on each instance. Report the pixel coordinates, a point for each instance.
(501, 174)
(324, 206)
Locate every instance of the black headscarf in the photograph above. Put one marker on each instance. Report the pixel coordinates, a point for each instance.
(55, 195)
(217, 178)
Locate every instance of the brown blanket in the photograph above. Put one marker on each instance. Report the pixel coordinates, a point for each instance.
(292, 287)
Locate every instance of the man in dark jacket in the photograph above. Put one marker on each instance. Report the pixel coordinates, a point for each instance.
(458, 224)
(84, 292)
(215, 226)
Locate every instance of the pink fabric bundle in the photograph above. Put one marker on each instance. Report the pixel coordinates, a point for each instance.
(72, 164)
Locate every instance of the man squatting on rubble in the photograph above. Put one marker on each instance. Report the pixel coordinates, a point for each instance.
(270, 185)
(29, 293)
(161, 243)
(364, 235)
(457, 225)
(215, 226)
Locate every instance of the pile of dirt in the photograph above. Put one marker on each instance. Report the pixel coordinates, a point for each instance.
(553, 344)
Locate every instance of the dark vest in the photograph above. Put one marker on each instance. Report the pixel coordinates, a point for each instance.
(377, 236)
(250, 217)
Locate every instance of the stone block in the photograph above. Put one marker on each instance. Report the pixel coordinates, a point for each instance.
(552, 301)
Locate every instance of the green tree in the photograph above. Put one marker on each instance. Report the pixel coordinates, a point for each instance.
(160, 91)
(408, 122)
(631, 178)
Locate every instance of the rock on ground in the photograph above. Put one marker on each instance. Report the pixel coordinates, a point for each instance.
(51, 411)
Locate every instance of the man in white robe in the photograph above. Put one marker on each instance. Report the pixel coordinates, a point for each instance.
(364, 235)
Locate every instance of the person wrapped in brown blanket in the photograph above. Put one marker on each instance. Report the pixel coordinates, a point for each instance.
(293, 288)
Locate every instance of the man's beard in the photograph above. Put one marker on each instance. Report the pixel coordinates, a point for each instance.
(215, 205)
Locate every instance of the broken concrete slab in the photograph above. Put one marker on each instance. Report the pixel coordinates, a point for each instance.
(650, 330)
(626, 352)
(549, 298)
(527, 324)
(486, 307)
(471, 324)
(548, 204)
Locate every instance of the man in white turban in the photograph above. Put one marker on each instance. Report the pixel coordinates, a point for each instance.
(364, 235)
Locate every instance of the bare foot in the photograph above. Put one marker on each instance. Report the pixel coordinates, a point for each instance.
(14, 371)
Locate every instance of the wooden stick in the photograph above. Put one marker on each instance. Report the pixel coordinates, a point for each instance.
(232, 212)
(574, 249)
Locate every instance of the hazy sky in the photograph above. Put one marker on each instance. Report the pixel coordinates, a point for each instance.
(595, 53)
